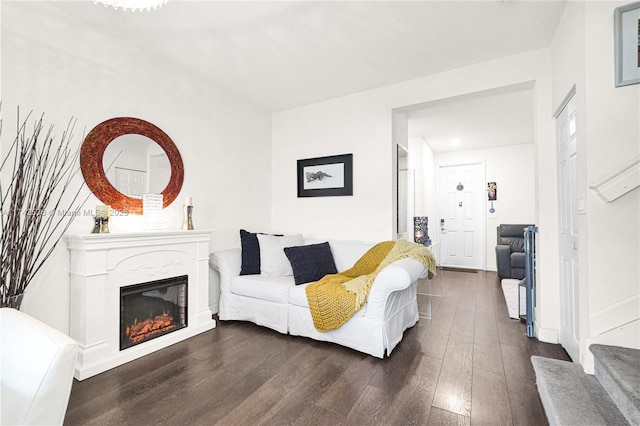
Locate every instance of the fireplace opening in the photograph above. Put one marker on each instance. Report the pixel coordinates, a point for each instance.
(152, 309)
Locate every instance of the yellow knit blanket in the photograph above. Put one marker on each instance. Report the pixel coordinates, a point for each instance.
(337, 297)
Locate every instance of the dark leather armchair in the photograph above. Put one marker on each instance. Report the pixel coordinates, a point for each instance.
(510, 251)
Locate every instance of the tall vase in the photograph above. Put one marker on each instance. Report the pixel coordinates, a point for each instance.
(15, 301)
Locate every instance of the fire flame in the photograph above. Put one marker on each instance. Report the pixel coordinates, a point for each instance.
(152, 326)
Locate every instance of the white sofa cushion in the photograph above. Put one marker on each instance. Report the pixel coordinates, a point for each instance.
(297, 296)
(274, 289)
(273, 261)
(347, 253)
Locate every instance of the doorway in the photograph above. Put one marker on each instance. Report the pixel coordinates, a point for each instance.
(461, 215)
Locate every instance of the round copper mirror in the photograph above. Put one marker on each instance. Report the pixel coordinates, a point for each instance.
(91, 162)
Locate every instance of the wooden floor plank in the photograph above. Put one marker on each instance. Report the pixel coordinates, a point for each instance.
(453, 392)
(307, 391)
(345, 391)
(486, 341)
(412, 404)
(439, 417)
(370, 407)
(468, 364)
(490, 399)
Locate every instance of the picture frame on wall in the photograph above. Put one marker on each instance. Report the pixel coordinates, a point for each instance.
(330, 176)
(627, 44)
(492, 191)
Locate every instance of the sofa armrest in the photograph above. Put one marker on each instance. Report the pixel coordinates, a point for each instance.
(38, 363)
(503, 260)
(227, 264)
(397, 276)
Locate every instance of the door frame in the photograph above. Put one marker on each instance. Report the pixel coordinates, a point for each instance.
(405, 183)
(483, 215)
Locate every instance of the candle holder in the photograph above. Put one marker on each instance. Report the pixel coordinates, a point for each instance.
(101, 220)
(97, 225)
(104, 226)
(187, 223)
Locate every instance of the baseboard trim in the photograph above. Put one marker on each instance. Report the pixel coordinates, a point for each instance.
(547, 335)
(460, 269)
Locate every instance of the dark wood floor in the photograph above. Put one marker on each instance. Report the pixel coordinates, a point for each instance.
(469, 364)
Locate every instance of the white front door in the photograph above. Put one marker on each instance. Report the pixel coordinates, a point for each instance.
(568, 206)
(461, 215)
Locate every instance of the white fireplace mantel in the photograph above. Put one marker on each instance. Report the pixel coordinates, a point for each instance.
(103, 263)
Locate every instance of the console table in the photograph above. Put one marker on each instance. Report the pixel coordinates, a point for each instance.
(103, 263)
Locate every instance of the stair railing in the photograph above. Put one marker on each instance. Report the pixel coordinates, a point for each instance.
(530, 276)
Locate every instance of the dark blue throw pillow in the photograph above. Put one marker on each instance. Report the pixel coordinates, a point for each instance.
(250, 252)
(311, 262)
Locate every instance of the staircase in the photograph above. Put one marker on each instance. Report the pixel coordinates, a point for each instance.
(610, 397)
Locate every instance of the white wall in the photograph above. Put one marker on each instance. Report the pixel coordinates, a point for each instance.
(608, 135)
(416, 163)
(612, 139)
(423, 159)
(422, 166)
(224, 143)
(513, 169)
(401, 213)
(341, 126)
(613, 230)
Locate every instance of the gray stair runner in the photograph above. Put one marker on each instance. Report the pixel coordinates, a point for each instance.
(572, 397)
(618, 370)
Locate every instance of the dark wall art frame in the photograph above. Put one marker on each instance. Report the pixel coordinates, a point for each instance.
(326, 176)
(626, 24)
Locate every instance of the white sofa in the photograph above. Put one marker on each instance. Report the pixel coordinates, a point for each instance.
(276, 302)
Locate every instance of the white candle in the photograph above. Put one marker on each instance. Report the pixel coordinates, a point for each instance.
(188, 201)
(102, 210)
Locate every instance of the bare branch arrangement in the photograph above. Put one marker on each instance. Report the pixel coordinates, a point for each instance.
(32, 213)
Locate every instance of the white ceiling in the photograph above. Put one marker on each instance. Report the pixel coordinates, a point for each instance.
(278, 55)
(494, 118)
(283, 54)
